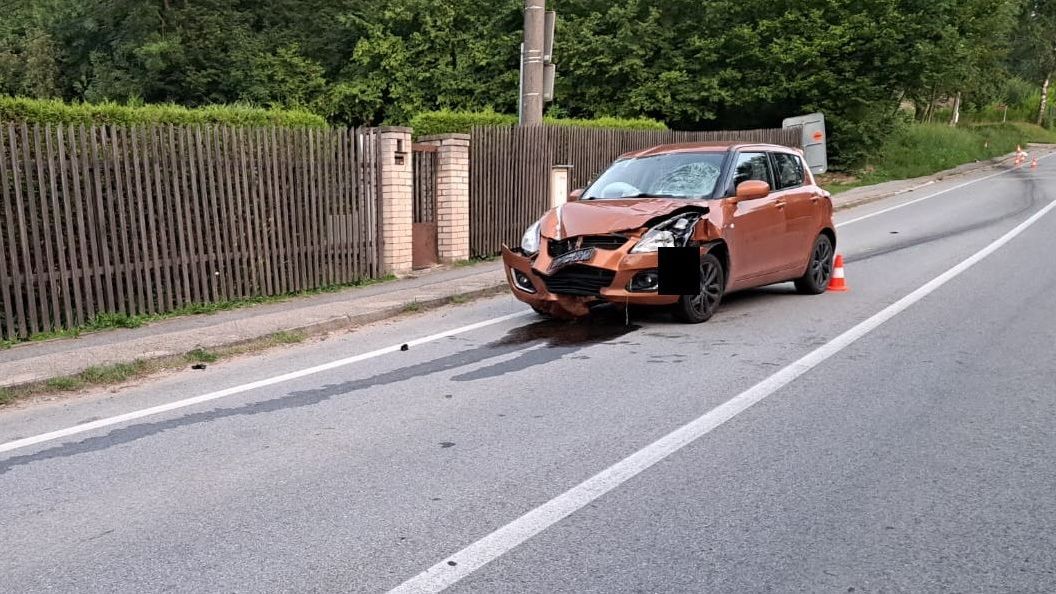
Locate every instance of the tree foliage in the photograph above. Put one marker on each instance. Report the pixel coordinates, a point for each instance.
(690, 64)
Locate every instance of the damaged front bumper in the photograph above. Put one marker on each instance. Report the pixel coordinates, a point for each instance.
(571, 290)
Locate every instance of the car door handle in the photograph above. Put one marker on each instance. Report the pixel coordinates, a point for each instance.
(779, 203)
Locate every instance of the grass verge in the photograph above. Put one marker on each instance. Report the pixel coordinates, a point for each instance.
(474, 261)
(923, 149)
(119, 373)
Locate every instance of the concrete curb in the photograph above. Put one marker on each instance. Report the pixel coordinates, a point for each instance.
(315, 329)
(354, 321)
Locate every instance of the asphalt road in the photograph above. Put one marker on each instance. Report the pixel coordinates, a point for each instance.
(917, 457)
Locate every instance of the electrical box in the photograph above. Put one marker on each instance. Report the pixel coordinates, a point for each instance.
(815, 151)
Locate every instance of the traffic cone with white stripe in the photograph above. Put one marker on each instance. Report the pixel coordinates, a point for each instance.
(838, 283)
(1034, 162)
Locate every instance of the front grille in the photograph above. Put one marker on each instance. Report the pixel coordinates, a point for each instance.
(557, 247)
(579, 280)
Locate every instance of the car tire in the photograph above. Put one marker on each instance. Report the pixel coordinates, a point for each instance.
(819, 269)
(694, 309)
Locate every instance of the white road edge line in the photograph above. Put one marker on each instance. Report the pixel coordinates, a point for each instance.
(459, 565)
(154, 410)
(929, 196)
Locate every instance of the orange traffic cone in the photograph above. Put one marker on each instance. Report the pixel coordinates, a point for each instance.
(1034, 163)
(838, 283)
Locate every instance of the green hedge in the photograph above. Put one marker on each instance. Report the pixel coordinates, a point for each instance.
(49, 111)
(449, 122)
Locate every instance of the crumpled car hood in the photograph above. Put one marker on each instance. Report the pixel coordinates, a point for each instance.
(594, 217)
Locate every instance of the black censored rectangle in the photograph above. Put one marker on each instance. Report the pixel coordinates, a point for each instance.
(679, 271)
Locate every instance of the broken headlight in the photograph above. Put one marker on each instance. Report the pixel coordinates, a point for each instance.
(530, 240)
(674, 232)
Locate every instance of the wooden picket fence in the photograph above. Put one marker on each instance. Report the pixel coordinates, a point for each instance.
(150, 219)
(509, 169)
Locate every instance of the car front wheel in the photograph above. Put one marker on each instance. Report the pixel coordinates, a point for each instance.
(819, 271)
(698, 308)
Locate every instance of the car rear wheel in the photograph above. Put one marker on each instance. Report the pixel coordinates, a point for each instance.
(819, 271)
(698, 308)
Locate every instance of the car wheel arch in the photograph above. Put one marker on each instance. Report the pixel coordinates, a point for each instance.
(831, 234)
(721, 250)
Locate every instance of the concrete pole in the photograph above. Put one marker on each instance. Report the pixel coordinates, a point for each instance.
(532, 87)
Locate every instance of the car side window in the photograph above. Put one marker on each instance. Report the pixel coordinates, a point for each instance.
(789, 170)
(752, 166)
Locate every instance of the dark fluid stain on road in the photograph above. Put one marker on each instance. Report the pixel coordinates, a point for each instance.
(447, 444)
(560, 339)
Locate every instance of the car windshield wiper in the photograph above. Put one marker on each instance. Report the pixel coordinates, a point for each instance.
(647, 195)
(675, 196)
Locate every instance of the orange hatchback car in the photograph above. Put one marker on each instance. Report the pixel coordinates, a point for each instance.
(752, 211)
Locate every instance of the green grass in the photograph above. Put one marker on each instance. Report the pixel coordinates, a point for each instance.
(64, 384)
(413, 306)
(110, 321)
(923, 149)
(284, 337)
(111, 374)
(202, 356)
(6, 396)
(474, 261)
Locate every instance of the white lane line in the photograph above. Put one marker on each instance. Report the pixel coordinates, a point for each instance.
(154, 410)
(929, 196)
(459, 565)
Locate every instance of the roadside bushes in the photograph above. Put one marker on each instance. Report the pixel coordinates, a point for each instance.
(51, 111)
(447, 122)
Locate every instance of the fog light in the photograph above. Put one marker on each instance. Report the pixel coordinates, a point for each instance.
(647, 280)
(522, 282)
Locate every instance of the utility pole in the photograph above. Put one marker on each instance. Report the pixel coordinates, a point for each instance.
(532, 62)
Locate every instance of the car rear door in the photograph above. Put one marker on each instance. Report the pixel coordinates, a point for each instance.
(756, 232)
(799, 200)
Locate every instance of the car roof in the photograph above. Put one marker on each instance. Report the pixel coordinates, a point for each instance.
(706, 147)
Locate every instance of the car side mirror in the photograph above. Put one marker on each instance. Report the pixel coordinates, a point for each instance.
(752, 189)
(575, 194)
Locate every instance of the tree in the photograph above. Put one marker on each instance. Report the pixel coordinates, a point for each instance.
(1034, 55)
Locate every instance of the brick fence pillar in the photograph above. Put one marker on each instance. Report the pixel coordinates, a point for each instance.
(452, 195)
(397, 196)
